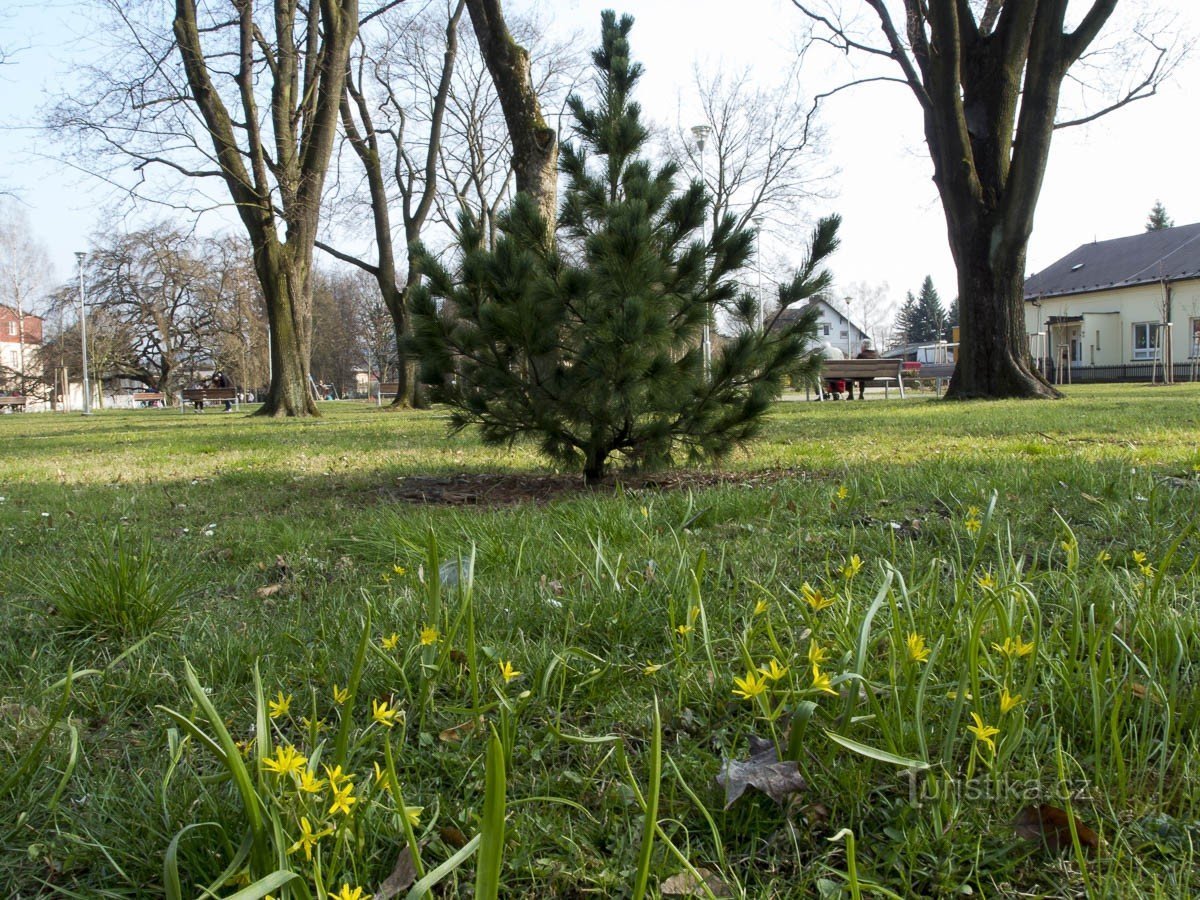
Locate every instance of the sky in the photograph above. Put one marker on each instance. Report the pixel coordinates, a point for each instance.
(1101, 181)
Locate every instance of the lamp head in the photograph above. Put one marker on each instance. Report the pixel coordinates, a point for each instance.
(80, 256)
(701, 133)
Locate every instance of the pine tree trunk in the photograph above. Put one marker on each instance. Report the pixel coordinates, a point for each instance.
(594, 465)
(286, 288)
(993, 353)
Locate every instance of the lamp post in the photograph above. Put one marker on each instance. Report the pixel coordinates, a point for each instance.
(701, 133)
(758, 222)
(849, 329)
(80, 256)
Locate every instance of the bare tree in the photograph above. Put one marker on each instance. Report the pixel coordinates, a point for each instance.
(534, 140)
(246, 94)
(988, 76)
(764, 157)
(241, 342)
(24, 268)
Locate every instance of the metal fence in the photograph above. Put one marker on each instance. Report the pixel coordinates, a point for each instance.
(1128, 372)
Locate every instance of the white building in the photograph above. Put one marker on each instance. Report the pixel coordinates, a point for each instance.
(833, 326)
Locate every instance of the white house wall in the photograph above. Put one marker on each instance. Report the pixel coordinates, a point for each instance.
(1111, 316)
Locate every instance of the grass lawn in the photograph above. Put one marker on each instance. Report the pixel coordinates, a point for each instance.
(910, 576)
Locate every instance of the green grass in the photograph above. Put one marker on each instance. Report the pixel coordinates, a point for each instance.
(584, 596)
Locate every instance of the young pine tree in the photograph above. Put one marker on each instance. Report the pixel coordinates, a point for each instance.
(588, 341)
(1158, 220)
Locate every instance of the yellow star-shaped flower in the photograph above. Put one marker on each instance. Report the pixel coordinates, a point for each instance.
(773, 670)
(749, 687)
(287, 761)
(279, 706)
(310, 784)
(1013, 647)
(821, 682)
(852, 567)
(347, 893)
(1008, 702)
(384, 713)
(814, 598)
(343, 799)
(308, 838)
(429, 636)
(983, 733)
(917, 651)
(816, 653)
(390, 642)
(507, 672)
(340, 695)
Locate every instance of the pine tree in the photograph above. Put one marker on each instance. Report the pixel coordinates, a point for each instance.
(907, 322)
(951, 320)
(1158, 218)
(588, 340)
(932, 316)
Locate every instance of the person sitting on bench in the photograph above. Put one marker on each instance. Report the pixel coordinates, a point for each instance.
(866, 352)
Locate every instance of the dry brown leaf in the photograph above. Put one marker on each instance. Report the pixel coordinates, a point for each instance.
(401, 879)
(764, 770)
(455, 733)
(1052, 826)
(452, 836)
(268, 590)
(685, 884)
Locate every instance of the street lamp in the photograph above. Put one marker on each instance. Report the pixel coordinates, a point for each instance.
(849, 329)
(701, 133)
(758, 223)
(80, 256)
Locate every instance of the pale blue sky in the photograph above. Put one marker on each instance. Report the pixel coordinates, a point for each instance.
(1101, 182)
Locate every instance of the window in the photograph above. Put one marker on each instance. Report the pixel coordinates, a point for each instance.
(12, 328)
(845, 334)
(1145, 339)
(1097, 338)
(1194, 338)
(825, 329)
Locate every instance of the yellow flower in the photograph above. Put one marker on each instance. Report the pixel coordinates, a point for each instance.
(852, 567)
(842, 492)
(399, 570)
(279, 706)
(507, 672)
(1068, 545)
(308, 838)
(761, 607)
(645, 513)
(651, 668)
(986, 580)
(773, 670)
(310, 784)
(816, 653)
(1147, 569)
(983, 733)
(814, 597)
(917, 651)
(336, 778)
(413, 814)
(385, 578)
(749, 687)
(390, 642)
(1008, 701)
(317, 724)
(343, 799)
(1139, 557)
(693, 613)
(821, 681)
(972, 525)
(972, 512)
(383, 713)
(429, 636)
(340, 695)
(1103, 556)
(381, 778)
(1012, 648)
(347, 893)
(286, 762)
(681, 630)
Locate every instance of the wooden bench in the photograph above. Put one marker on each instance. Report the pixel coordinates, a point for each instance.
(16, 404)
(882, 371)
(204, 396)
(148, 398)
(939, 372)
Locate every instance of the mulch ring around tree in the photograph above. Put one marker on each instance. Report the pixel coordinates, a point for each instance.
(493, 490)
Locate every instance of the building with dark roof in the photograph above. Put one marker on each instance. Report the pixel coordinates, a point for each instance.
(1130, 301)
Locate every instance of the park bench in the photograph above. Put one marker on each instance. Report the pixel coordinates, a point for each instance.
(874, 371)
(209, 395)
(16, 404)
(939, 372)
(148, 398)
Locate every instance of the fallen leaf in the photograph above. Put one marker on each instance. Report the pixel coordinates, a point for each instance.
(455, 734)
(685, 884)
(763, 770)
(402, 877)
(269, 590)
(1052, 825)
(452, 836)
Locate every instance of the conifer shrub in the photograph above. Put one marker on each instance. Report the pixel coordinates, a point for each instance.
(585, 336)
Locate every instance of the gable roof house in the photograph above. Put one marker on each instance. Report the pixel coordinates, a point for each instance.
(833, 325)
(1103, 310)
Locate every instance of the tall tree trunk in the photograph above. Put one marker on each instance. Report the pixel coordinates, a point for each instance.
(993, 353)
(535, 143)
(288, 294)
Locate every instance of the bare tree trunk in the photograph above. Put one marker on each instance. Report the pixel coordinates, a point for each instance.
(535, 143)
(288, 294)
